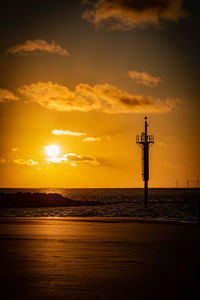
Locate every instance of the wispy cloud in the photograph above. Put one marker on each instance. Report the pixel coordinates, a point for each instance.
(144, 78)
(5, 96)
(29, 162)
(91, 139)
(37, 46)
(73, 159)
(15, 149)
(126, 14)
(67, 132)
(73, 164)
(102, 98)
(161, 144)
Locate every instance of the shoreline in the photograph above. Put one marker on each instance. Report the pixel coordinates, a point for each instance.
(101, 220)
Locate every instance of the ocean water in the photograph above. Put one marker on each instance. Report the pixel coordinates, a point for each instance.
(167, 204)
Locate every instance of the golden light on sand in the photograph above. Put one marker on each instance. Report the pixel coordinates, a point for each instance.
(52, 150)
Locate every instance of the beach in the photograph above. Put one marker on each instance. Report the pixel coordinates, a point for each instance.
(98, 258)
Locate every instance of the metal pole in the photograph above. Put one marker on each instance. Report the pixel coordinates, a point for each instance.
(146, 165)
(144, 141)
(146, 193)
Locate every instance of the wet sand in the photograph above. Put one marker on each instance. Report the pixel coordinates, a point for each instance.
(101, 259)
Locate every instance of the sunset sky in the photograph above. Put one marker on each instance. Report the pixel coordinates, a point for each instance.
(78, 77)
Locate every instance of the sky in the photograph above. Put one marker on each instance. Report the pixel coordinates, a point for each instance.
(77, 79)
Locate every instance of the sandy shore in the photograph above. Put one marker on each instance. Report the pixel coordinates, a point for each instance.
(80, 259)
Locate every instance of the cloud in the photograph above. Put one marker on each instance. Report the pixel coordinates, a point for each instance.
(85, 98)
(73, 159)
(67, 132)
(14, 149)
(29, 162)
(37, 46)
(127, 14)
(91, 139)
(161, 144)
(5, 96)
(73, 164)
(144, 78)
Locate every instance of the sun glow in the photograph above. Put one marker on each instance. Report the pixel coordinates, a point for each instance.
(52, 150)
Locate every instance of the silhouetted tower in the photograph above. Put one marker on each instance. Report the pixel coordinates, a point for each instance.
(145, 141)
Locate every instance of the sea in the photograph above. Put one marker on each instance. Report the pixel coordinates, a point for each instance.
(164, 204)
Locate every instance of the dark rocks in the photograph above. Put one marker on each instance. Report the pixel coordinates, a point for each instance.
(14, 200)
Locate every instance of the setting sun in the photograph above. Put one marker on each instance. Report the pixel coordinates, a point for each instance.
(52, 150)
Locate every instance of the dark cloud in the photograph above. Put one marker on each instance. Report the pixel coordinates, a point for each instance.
(127, 14)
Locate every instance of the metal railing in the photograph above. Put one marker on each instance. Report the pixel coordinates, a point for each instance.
(140, 139)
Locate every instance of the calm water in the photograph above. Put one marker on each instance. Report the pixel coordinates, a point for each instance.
(170, 204)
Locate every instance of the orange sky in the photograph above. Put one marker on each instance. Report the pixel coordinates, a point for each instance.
(84, 84)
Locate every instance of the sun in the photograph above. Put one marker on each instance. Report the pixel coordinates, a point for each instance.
(52, 150)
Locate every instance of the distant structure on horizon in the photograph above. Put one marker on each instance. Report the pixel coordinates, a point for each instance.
(187, 184)
(145, 141)
(197, 183)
